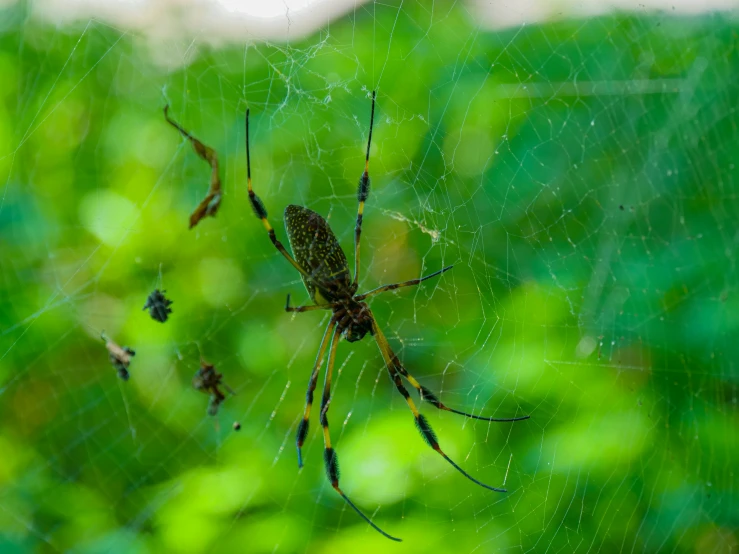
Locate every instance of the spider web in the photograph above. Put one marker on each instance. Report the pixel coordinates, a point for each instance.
(580, 175)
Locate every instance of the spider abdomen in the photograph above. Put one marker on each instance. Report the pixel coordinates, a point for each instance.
(319, 253)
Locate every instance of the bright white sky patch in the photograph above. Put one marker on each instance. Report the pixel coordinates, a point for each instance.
(222, 21)
(266, 9)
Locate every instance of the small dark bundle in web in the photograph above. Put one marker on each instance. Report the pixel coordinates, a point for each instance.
(119, 356)
(208, 380)
(158, 306)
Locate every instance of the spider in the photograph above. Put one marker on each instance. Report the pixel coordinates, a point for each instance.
(120, 357)
(323, 266)
(158, 306)
(207, 380)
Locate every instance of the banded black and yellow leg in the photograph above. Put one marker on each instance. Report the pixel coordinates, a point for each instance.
(304, 424)
(261, 212)
(310, 308)
(363, 191)
(330, 458)
(394, 286)
(212, 201)
(428, 396)
(421, 422)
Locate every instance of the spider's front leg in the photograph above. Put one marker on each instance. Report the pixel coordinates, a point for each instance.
(424, 427)
(330, 458)
(304, 423)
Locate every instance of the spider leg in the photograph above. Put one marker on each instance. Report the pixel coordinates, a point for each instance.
(303, 425)
(299, 309)
(261, 212)
(394, 286)
(431, 398)
(421, 422)
(212, 201)
(363, 191)
(330, 458)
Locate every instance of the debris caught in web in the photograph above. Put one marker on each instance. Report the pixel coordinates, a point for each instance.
(208, 380)
(120, 357)
(212, 201)
(158, 306)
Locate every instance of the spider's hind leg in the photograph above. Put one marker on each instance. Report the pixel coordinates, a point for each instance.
(363, 191)
(261, 212)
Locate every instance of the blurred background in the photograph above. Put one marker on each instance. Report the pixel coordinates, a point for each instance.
(577, 167)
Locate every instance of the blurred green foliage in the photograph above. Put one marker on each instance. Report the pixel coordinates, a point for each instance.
(581, 176)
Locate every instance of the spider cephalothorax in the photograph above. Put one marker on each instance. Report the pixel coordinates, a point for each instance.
(322, 264)
(353, 319)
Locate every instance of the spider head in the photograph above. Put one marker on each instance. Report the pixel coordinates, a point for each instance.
(360, 323)
(356, 332)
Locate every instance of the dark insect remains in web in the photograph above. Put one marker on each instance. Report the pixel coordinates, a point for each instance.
(209, 381)
(119, 356)
(323, 266)
(158, 305)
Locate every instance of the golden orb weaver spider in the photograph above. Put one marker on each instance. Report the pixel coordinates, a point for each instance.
(323, 266)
